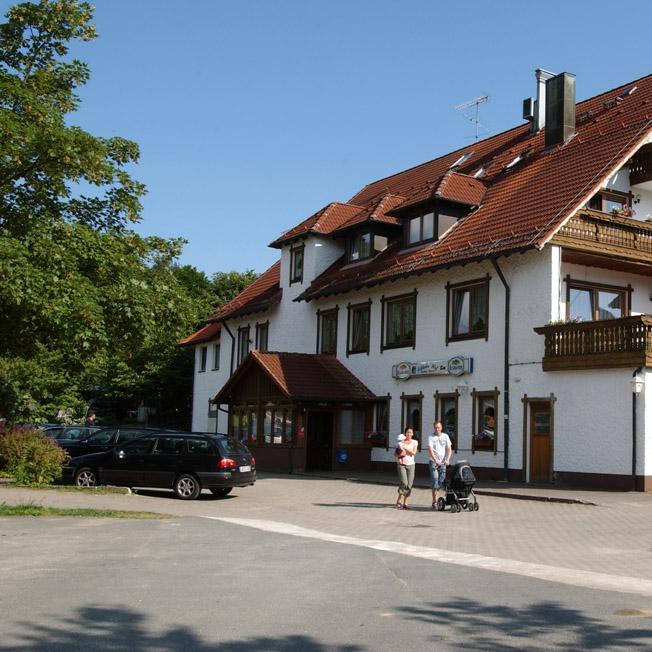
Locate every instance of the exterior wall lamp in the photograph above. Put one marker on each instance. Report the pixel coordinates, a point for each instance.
(637, 384)
(462, 388)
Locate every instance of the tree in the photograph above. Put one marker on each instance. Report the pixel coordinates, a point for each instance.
(44, 163)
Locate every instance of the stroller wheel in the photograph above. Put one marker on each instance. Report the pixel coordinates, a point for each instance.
(476, 507)
(454, 508)
(440, 505)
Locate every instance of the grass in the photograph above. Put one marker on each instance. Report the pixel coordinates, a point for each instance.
(30, 509)
(10, 483)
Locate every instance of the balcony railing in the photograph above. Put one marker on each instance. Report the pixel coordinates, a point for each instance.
(597, 232)
(605, 344)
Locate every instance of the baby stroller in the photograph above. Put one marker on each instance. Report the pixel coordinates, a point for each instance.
(459, 490)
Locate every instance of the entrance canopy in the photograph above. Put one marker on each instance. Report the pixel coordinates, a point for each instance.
(294, 376)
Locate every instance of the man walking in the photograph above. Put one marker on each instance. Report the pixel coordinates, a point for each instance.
(439, 450)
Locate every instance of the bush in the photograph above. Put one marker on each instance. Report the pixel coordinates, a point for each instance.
(31, 457)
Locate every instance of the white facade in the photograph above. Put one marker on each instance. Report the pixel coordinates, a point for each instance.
(593, 430)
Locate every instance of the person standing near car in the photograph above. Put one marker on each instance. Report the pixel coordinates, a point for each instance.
(90, 419)
(439, 451)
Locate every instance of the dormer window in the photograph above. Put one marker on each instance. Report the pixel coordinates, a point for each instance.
(296, 264)
(429, 226)
(365, 244)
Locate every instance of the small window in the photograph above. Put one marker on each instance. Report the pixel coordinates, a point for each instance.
(352, 427)
(101, 437)
(359, 326)
(412, 415)
(243, 343)
(428, 227)
(446, 412)
(296, 264)
(128, 435)
(327, 332)
(611, 202)
(203, 354)
(589, 302)
(216, 356)
(141, 446)
(468, 306)
(277, 425)
(262, 334)
(485, 423)
(461, 160)
(399, 321)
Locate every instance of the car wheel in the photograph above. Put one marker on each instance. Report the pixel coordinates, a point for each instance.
(222, 491)
(187, 487)
(85, 477)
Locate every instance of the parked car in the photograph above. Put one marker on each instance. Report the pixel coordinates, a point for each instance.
(105, 439)
(184, 462)
(72, 433)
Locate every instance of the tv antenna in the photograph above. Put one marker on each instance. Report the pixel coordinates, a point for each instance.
(473, 115)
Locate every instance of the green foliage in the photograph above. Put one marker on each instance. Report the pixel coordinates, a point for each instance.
(29, 509)
(88, 308)
(44, 162)
(31, 457)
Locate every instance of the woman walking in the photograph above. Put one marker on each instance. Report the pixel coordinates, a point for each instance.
(406, 449)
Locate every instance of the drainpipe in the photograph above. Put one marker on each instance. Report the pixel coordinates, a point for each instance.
(506, 370)
(638, 371)
(226, 327)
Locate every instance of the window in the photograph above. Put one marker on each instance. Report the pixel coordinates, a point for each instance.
(197, 446)
(430, 226)
(399, 318)
(243, 424)
(485, 425)
(243, 343)
(358, 328)
(611, 202)
(296, 264)
(468, 310)
(589, 302)
(277, 425)
(352, 427)
(216, 356)
(360, 246)
(170, 446)
(412, 415)
(327, 331)
(421, 228)
(379, 437)
(262, 336)
(203, 354)
(446, 412)
(142, 446)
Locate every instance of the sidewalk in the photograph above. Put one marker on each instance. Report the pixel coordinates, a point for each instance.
(513, 490)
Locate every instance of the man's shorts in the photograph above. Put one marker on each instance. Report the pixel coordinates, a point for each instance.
(437, 475)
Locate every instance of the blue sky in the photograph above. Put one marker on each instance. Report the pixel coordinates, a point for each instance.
(253, 114)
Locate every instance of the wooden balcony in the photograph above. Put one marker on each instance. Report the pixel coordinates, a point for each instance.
(597, 233)
(605, 344)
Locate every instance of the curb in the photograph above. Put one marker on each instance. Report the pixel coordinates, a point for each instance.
(479, 492)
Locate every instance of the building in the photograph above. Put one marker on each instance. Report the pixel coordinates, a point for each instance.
(503, 288)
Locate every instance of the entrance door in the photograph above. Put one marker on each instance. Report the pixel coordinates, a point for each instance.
(319, 441)
(540, 443)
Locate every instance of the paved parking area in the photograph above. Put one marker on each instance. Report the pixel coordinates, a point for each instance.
(613, 538)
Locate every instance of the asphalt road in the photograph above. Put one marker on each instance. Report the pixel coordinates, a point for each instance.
(282, 567)
(198, 584)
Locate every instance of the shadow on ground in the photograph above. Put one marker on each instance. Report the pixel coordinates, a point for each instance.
(535, 626)
(100, 628)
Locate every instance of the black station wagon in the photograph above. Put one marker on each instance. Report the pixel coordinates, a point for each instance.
(184, 462)
(104, 439)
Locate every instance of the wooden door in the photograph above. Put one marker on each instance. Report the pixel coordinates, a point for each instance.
(319, 441)
(540, 443)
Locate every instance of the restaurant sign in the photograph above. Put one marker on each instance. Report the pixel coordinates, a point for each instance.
(456, 366)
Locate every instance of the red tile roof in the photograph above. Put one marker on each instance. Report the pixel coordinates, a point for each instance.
(524, 203)
(376, 211)
(263, 293)
(205, 334)
(302, 376)
(323, 222)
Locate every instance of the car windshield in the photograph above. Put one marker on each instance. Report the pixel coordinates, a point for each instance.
(231, 446)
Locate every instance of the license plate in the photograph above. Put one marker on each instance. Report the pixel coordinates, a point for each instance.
(246, 468)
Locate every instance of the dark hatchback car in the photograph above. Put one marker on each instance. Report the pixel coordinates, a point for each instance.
(184, 462)
(105, 439)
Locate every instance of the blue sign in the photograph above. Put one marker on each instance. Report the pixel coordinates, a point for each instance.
(342, 456)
